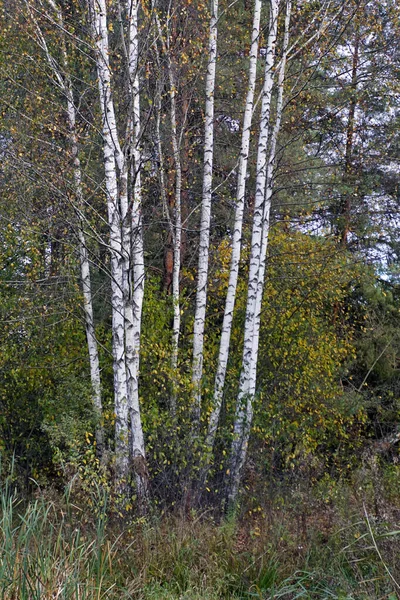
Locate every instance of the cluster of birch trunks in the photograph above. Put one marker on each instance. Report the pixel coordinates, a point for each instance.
(123, 164)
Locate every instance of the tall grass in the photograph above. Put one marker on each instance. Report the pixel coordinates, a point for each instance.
(47, 552)
(45, 556)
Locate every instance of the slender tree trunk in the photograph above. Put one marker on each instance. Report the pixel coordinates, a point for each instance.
(244, 407)
(112, 154)
(134, 304)
(268, 198)
(63, 81)
(177, 227)
(237, 236)
(86, 282)
(161, 168)
(345, 208)
(184, 156)
(202, 275)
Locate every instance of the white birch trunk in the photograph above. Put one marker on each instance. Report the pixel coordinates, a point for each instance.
(112, 154)
(201, 293)
(237, 234)
(267, 202)
(86, 283)
(244, 406)
(177, 227)
(134, 304)
(63, 81)
(161, 170)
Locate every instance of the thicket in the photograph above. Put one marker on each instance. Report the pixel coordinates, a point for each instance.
(321, 483)
(310, 405)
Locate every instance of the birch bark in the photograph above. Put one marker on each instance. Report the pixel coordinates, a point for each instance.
(345, 204)
(268, 198)
(85, 277)
(111, 155)
(135, 258)
(244, 406)
(201, 292)
(237, 234)
(177, 227)
(64, 83)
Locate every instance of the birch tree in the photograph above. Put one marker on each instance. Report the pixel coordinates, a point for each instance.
(62, 80)
(123, 184)
(345, 204)
(134, 247)
(112, 155)
(178, 219)
(244, 407)
(268, 198)
(237, 232)
(126, 245)
(202, 274)
(176, 224)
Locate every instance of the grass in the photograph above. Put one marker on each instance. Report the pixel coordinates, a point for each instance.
(52, 549)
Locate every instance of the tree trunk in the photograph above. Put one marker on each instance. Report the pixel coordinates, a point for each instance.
(345, 206)
(244, 406)
(267, 201)
(63, 81)
(202, 274)
(86, 282)
(112, 154)
(237, 236)
(176, 230)
(134, 304)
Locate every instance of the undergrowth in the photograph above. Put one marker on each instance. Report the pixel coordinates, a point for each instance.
(52, 549)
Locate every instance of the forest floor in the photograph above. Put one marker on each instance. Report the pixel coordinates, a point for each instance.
(298, 546)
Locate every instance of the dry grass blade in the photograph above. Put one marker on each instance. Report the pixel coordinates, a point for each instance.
(378, 551)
